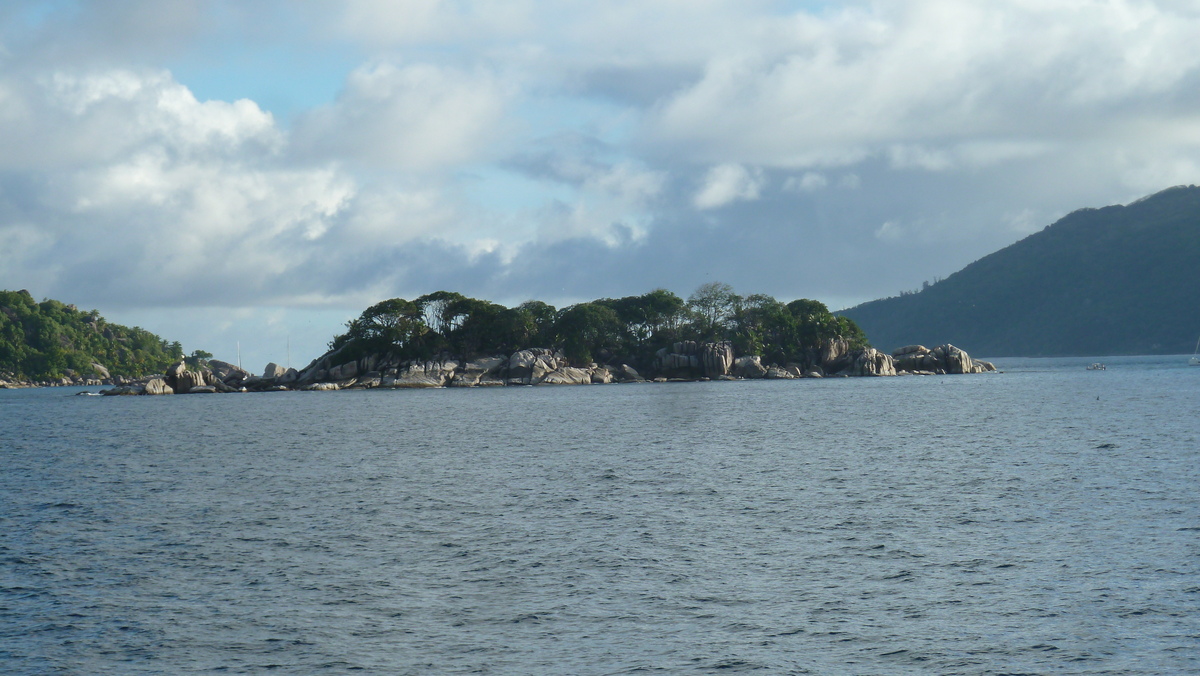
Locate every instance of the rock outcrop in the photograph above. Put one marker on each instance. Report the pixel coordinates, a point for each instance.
(749, 366)
(717, 358)
(421, 374)
(530, 367)
(690, 359)
(870, 362)
(230, 374)
(158, 386)
(942, 359)
(567, 375)
(482, 372)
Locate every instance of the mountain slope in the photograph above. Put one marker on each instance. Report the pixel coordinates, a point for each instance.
(1117, 280)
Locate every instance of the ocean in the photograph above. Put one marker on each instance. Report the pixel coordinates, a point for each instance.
(1045, 519)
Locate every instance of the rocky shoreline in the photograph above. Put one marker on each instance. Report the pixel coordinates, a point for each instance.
(98, 376)
(682, 362)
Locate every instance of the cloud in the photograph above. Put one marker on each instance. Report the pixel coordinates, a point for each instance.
(927, 77)
(410, 117)
(63, 119)
(727, 183)
(808, 182)
(562, 150)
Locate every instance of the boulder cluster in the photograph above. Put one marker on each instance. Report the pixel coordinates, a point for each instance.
(98, 375)
(690, 361)
(683, 361)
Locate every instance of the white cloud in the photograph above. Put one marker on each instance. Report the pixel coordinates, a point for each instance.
(727, 183)
(927, 76)
(65, 119)
(412, 117)
(810, 181)
(890, 231)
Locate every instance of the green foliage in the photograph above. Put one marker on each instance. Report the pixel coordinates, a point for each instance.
(585, 329)
(712, 305)
(39, 341)
(630, 328)
(396, 325)
(198, 358)
(1117, 280)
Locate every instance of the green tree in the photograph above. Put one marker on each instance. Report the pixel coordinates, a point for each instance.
(584, 330)
(395, 325)
(712, 305)
(198, 358)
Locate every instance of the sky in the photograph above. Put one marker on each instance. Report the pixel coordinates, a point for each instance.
(246, 177)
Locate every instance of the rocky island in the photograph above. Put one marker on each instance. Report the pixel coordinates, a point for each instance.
(686, 361)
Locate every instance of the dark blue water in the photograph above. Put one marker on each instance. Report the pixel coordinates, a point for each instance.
(1043, 520)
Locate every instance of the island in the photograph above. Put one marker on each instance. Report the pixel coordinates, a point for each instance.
(445, 339)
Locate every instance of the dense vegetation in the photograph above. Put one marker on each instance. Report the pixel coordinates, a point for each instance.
(1117, 280)
(40, 341)
(630, 329)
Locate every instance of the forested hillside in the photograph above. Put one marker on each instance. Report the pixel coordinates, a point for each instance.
(41, 341)
(1110, 281)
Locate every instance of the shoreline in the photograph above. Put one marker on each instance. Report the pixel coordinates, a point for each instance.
(683, 362)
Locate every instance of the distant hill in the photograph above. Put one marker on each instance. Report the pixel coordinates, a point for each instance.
(1111, 281)
(49, 339)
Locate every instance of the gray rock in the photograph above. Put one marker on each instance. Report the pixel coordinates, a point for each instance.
(343, 371)
(227, 373)
(909, 349)
(157, 386)
(273, 370)
(475, 372)
(203, 389)
(777, 373)
(602, 375)
(749, 366)
(686, 364)
(950, 359)
(717, 358)
(185, 381)
(629, 374)
(834, 355)
(870, 362)
(527, 367)
(567, 375)
(424, 374)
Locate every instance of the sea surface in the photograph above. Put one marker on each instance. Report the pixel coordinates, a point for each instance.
(1041, 520)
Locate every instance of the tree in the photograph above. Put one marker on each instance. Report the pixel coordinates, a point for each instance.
(443, 311)
(394, 325)
(198, 358)
(713, 305)
(818, 326)
(648, 319)
(479, 328)
(585, 329)
(764, 326)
